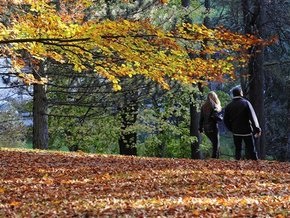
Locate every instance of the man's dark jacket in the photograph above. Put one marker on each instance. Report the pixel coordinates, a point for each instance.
(240, 117)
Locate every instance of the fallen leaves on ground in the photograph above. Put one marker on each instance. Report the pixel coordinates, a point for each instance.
(56, 184)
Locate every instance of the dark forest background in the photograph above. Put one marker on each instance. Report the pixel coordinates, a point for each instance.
(81, 112)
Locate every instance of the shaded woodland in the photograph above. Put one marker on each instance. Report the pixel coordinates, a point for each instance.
(81, 112)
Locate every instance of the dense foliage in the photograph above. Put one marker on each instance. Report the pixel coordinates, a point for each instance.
(54, 184)
(116, 48)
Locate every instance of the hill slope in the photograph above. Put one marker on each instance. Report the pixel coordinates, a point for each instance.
(54, 184)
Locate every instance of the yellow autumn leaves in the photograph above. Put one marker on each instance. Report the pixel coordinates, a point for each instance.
(120, 48)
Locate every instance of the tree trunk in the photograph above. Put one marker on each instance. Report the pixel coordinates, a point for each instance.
(40, 117)
(194, 115)
(128, 139)
(288, 131)
(194, 119)
(254, 20)
(206, 20)
(40, 109)
(256, 97)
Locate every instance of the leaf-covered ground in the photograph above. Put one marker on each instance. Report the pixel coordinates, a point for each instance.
(54, 184)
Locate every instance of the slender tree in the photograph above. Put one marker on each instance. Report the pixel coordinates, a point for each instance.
(128, 138)
(194, 116)
(288, 118)
(254, 23)
(40, 112)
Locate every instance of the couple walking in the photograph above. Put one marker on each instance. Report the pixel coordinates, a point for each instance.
(239, 117)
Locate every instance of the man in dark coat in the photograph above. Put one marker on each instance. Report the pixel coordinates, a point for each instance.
(240, 118)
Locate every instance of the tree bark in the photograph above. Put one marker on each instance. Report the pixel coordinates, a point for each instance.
(128, 139)
(40, 108)
(206, 20)
(254, 20)
(194, 119)
(40, 117)
(194, 115)
(288, 131)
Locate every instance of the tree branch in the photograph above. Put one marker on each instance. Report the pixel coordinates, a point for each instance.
(42, 40)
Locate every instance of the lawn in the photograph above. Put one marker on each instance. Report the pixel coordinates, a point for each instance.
(62, 184)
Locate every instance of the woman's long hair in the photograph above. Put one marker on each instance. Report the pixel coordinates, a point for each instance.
(213, 101)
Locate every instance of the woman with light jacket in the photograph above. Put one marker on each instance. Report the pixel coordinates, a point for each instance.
(210, 114)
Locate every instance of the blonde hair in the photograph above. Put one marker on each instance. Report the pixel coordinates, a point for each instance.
(213, 99)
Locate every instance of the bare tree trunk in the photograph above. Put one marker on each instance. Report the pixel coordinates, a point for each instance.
(288, 131)
(128, 139)
(206, 20)
(40, 117)
(40, 109)
(194, 116)
(254, 21)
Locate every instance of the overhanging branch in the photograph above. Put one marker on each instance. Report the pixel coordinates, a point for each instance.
(43, 40)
